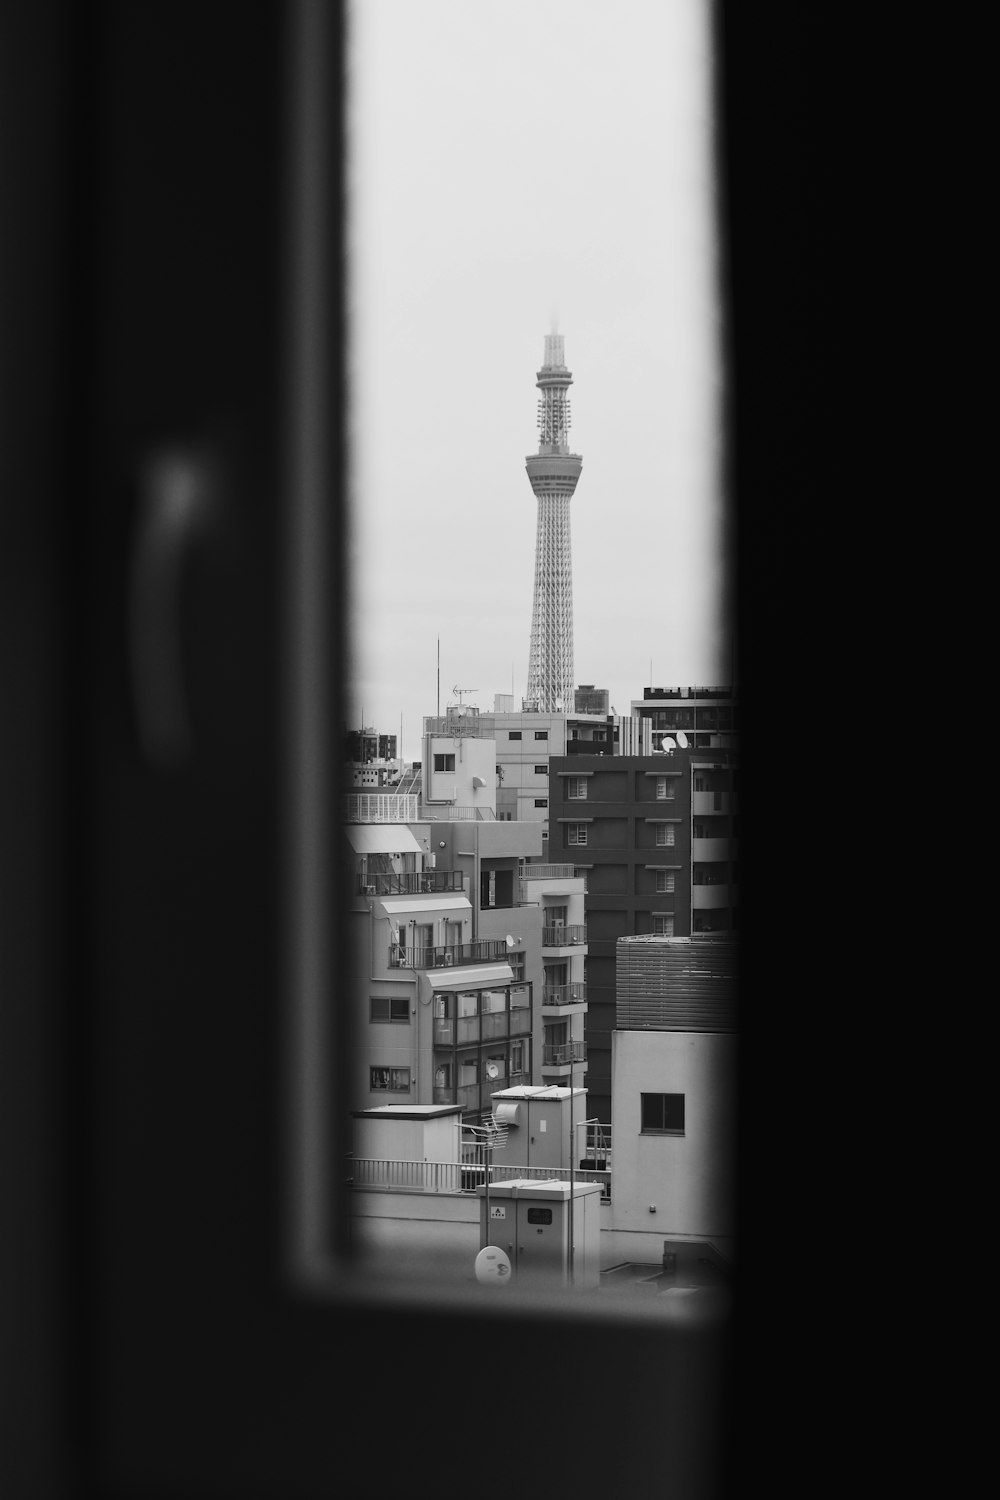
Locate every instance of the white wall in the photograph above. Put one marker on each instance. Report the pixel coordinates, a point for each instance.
(689, 1177)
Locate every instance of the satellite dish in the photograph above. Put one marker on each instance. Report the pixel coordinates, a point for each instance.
(492, 1265)
(509, 941)
(668, 746)
(682, 739)
(492, 1071)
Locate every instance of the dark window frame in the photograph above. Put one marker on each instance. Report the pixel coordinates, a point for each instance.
(661, 1114)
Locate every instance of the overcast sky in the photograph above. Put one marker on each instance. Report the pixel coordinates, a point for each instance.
(518, 167)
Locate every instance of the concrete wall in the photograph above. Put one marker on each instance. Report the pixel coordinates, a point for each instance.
(689, 1177)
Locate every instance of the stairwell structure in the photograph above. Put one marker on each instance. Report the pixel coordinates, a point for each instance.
(553, 473)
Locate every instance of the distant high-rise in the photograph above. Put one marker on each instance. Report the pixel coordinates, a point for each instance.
(553, 473)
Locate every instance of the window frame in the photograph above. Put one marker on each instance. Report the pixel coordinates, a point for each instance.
(662, 1129)
(391, 1001)
(393, 1072)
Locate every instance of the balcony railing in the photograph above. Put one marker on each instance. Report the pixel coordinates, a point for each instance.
(380, 807)
(445, 955)
(531, 875)
(457, 1177)
(569, 936)
(427, 882)
(562, 1054)
(564, 994)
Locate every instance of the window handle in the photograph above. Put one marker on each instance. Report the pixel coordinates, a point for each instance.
(174, 492)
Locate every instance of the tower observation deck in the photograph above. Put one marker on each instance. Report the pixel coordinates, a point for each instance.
(553, 472)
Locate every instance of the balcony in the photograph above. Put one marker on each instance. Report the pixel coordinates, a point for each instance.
(445, 955)
(564, 994)
(571, 935)
(549, 875)
(429, 882)
(561, 1054)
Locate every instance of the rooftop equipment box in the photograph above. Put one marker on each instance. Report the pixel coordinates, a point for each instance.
(534, 1222)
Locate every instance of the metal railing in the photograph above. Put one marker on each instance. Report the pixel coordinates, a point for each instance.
(446, 955)
(566, 936)
(452, 812)
(380, 807)
(550, 872)
(411, 884)
(564, 994)
(457, 1177)
(557, 1055)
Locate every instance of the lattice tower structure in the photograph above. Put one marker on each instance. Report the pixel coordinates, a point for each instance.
(553, 472)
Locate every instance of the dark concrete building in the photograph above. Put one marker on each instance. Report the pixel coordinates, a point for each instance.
(658, 839)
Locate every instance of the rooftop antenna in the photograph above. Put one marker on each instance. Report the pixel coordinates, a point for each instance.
(439, 678)
(459, 691)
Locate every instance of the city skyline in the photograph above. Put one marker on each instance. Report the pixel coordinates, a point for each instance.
(514, 172)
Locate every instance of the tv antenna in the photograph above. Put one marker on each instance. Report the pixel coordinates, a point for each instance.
(488, 1138)
(459, 691)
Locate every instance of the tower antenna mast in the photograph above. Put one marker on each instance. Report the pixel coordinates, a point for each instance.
(553, 473)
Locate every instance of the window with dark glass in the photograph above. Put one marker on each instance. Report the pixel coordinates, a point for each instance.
(390, 1009)
(663, 1114)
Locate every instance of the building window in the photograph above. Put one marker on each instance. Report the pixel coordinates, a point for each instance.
(665, 881)
(663, 926)
(391, 1080)
(388, 1010)
(541, 801)
(576, 833)
(541, 770)
(665, 835)
(516, 961)
(444, 762)
(576, 788)
(541, 734)
(513, 734)
(699, 783)
(664, 789)
(663, 1114)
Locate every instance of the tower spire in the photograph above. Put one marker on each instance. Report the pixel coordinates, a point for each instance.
(553, 473)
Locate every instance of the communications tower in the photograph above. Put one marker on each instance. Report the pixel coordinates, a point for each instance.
(553, 473)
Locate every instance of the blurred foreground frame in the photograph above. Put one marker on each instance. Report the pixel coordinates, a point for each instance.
(185, 1308)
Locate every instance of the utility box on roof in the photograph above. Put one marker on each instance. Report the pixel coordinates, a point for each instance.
(542, 1123)
(536, 1222)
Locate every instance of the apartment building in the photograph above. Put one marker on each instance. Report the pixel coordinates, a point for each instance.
(467, 949)
(657, 837)
(707, 717)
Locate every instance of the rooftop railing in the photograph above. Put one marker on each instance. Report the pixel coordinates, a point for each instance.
(457, 1177)
(453, 812)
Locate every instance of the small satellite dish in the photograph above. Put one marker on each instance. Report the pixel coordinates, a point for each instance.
(509, 941)
(682, 739)
(492, 1071)
(492, 1265)
(668, 747)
